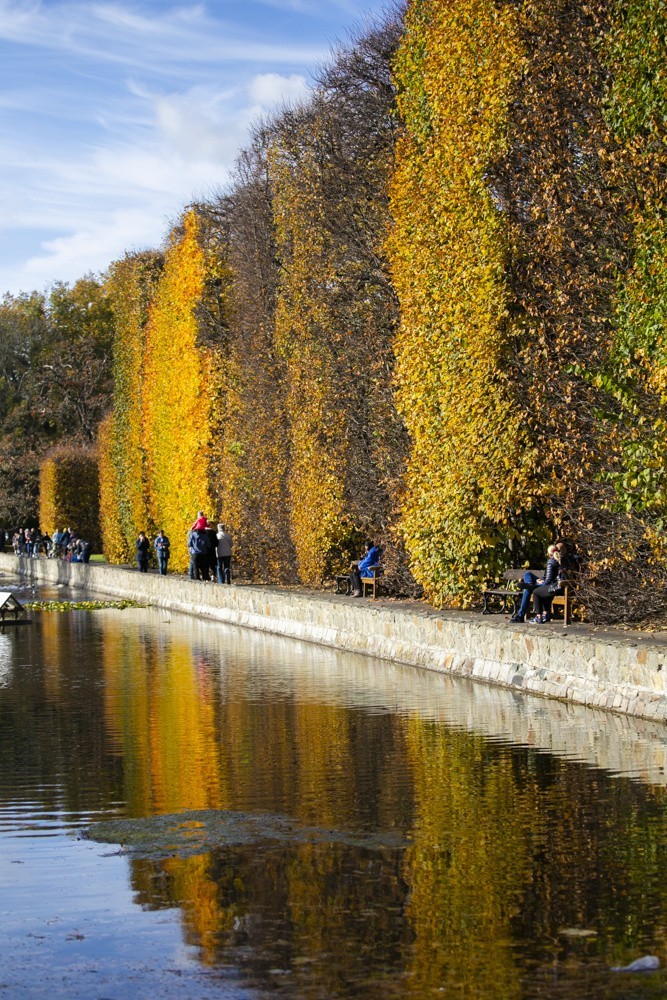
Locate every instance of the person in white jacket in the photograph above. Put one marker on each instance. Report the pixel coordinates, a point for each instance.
(223, 555)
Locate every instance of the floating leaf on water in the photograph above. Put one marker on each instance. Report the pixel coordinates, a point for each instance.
(200, 831)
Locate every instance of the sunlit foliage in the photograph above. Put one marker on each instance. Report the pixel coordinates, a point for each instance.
(123, 501)
(251, 432)
(528, 252)
(467, 477)
(176, 395)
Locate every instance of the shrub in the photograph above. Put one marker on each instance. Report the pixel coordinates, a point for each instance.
(69, 494)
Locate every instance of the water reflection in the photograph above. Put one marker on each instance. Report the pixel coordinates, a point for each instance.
(143, 712)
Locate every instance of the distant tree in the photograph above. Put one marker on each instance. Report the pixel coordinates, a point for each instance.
(70, 382)
(55, 382)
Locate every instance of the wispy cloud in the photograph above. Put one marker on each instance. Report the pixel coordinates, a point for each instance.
(117, 114)
(173, 38)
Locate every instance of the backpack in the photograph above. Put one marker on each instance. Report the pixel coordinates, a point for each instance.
(200, 543)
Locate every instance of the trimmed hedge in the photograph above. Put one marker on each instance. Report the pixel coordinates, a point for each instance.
(69, 494)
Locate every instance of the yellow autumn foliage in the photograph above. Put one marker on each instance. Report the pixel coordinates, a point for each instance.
(330, 165)
(123, 500)
(113, 541)
(177, 396)
(467, 472)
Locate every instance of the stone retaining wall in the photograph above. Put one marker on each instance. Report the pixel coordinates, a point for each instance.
(618, 671)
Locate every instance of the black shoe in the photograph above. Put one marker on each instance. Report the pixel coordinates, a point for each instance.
(517, 620)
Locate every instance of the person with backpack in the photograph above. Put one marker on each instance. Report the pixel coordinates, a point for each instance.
(199, 547)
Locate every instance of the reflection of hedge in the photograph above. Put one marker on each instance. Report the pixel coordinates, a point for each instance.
(69, 494)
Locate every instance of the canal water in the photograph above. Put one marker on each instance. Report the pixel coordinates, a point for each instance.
(470, 842)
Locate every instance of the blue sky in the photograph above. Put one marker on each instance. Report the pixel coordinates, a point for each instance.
(113, 115)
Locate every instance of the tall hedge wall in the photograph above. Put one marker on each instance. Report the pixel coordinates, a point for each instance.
(251, 430)
(494, 174)
(177, 396)
(156, 445)
(527, 252)
(123, 475)
(69, 494)
(469, 470)
(336, 311)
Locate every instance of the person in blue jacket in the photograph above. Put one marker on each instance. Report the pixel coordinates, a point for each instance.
(162, 550)
(371, 557)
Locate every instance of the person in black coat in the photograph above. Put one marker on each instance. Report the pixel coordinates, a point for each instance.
(549, 587)
(143, 548)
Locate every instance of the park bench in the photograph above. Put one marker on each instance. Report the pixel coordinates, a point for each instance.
(508, 598)
(369, 584)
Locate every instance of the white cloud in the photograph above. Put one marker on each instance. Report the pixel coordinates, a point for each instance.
(114, 115)
(89, 249)
(269, 89)
(183, 38)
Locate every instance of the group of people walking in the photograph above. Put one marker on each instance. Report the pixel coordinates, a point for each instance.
(210, 551)
(67, 545)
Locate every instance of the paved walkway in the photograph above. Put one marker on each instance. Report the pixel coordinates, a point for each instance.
(626, 636)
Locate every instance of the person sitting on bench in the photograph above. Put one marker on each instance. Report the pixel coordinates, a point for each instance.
(362, 567)
(530, 583)
(549, 587)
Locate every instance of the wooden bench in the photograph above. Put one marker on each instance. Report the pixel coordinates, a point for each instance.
(368, 583)
(565, 600)
(512, 594)
(371, 582)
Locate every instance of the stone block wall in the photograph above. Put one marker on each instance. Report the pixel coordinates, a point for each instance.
(617, 671)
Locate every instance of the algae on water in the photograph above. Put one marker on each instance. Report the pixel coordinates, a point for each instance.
(199, 831)
(79, 605)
